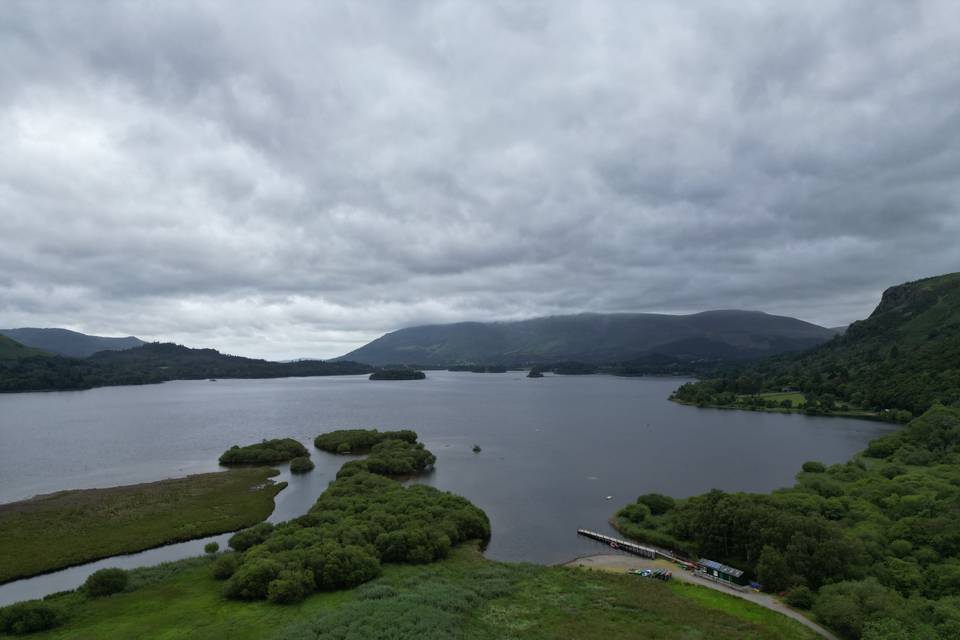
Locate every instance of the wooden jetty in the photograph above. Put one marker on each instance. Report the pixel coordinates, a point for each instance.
(619, 545)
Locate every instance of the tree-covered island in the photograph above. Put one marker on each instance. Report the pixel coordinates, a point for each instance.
(265, 452)
(398, 374)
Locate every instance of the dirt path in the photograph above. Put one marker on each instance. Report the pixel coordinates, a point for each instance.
(620, 563)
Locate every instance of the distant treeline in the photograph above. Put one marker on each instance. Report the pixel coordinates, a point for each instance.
(398, 374)
(152, 363)
(654, 364)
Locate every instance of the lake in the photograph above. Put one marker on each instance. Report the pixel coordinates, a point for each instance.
(553, 448)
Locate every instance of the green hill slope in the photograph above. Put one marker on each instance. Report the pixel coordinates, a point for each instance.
(64, 342)
(13, 350)
(176, 362)
(904, 357)
(595, 338)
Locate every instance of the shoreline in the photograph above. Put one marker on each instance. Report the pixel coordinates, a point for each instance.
(872, 417)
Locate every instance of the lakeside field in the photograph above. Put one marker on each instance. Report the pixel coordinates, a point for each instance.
(58, 530)
(463, 596)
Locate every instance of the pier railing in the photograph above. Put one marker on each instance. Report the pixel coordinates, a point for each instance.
(618, 544)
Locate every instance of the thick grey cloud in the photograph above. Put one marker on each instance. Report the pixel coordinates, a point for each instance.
(286, 179)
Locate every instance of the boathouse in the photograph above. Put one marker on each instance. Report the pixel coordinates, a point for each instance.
(722, 572)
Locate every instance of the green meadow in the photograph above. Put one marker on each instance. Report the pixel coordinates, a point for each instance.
(62, 529)
(463, 596)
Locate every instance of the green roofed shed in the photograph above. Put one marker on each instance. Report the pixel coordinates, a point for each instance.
(722, 572)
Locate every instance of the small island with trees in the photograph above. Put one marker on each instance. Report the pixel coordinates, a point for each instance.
(359, 440)
(265, 452)
(301, 464)
(398, 374)
(364, 519)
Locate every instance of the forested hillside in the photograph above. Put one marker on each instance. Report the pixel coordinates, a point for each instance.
(151, 363)
(904, 357)
(64, 342)
(871, 546)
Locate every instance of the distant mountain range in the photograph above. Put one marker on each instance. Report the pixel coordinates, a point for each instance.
(64, 342)
(595, 338)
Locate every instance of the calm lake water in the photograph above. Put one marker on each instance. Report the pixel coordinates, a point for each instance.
(553, 448)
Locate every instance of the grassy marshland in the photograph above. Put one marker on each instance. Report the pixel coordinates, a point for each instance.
(61, 529)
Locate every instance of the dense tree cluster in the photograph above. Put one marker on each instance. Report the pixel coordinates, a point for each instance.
(900, 361)
(106, 582)
(875, 540)
(392, 458)
(265, 452)
(361, 520)
(359, 440)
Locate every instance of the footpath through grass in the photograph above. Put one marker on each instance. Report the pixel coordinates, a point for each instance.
(464, 596)
(62, 529)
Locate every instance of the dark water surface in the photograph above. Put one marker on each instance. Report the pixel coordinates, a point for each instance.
(553, 448)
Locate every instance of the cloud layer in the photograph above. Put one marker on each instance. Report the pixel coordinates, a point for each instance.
(294, 179)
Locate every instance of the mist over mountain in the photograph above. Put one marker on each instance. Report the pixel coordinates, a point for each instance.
(595, 338)
(65, 342)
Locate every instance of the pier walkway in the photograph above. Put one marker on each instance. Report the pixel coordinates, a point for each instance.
(622, 545)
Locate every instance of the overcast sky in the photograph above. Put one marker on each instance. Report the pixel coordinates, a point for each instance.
(292, 179)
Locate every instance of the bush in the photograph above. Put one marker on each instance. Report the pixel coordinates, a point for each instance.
(211, 547)
(225, 566)
(301, 464)
(901, 548)
(892, 471)
(658, 503)
(847, 606)
(29, 617)
(800, 597)
(635, 513)
(376, 592)
(772, 570)
(814, 467)
(106, 582)
(291, 586)
(336, 566)
(252, 580)
(243, 540)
